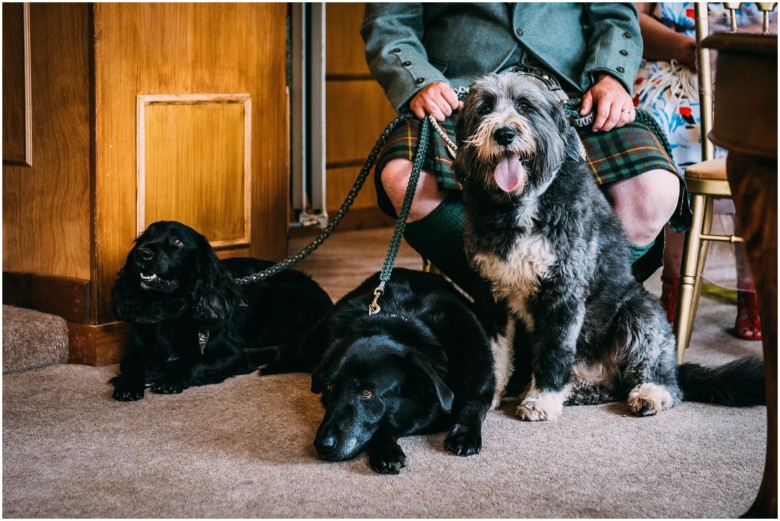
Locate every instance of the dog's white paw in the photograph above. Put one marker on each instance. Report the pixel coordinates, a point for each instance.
(540, 408)
(497, 397)
(649, 399)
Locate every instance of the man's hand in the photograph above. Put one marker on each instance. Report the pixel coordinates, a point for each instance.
(613, 105)
(437, 99)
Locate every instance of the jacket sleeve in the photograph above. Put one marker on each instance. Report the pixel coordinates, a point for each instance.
(396, 57)
(614, 42)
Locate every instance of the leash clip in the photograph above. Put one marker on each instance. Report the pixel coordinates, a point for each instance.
(374, 308)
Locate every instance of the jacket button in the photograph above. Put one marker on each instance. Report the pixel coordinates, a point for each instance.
(624, 52)
(627, 35)
(397, 50)
(419, 81)
(621, 69)
(406, 63)
(519, 32)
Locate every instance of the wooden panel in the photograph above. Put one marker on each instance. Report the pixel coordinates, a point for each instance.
(364, 212)
(345, 50)
(357, 112)
(17, 112)
(182, 49)
(194, 164)
(351, 138)
(46, 208)
(64, 297)
(340, 181)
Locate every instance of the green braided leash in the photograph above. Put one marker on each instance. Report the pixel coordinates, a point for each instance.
(400, 223)
(316, 243)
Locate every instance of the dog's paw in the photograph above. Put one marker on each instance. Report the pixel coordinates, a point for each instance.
(649, 399)
(539, 408)
(463, 442)
(128, 394)
(167, 387)
(125, 391)
(387, 459)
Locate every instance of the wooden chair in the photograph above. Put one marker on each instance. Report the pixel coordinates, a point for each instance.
(705, 181)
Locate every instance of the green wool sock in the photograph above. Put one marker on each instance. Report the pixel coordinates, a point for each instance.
(439, 238)
(637, 252)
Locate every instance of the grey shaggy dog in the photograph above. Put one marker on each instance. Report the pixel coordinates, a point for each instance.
(540, 230)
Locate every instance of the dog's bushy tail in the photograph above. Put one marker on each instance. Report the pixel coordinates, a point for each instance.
(737, 384)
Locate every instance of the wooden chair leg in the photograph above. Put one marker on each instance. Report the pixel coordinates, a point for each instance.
(701, 261)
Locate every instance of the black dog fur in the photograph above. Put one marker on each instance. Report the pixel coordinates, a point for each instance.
(173, 286)
(422, 364)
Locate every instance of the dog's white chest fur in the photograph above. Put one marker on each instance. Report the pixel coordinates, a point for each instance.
(516, 278)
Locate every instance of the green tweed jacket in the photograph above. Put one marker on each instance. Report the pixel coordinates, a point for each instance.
(411, 45)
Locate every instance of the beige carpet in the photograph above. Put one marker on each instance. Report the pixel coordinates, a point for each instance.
(244, 448)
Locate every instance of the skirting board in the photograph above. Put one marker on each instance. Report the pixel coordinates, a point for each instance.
(90, 344)
(97, 344)
(62, 296)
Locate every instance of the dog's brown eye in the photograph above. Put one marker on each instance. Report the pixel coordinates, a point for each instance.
(487, 108)
(367, 393)
(329, 388)
(523, 105)
(177, 242)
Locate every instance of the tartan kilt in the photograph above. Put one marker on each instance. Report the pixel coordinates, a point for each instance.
(621, 153)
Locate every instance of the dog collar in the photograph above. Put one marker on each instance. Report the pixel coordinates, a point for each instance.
(542, 75)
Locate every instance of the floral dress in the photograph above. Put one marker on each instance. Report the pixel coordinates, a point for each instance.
(670, 90)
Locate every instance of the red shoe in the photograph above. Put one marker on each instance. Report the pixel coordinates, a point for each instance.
(748, 324)
(669, 289)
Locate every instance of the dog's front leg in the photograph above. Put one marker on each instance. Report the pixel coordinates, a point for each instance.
(465, 437)
(556, 329)
(178, 376)
(129, 385)
(384, 454)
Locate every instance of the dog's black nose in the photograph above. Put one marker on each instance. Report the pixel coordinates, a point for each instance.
(327, 444)
(144, 254)
(505, 135)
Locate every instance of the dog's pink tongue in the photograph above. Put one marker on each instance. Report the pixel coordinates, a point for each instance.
(509, 173)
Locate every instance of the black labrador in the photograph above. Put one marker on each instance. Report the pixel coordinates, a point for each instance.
(422, 364)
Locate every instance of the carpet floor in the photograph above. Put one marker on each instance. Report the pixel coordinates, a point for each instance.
(243, 448)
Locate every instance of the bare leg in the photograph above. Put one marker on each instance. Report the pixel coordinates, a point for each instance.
(644, 204)
(427, 196)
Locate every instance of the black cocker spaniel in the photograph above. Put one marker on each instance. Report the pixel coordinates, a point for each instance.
(194, 325)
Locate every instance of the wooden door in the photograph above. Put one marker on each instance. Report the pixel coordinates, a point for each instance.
(357, 112)
(191, 125)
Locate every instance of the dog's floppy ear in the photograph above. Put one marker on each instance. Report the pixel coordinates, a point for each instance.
(326, 368)
(125, 300)
(443, 393)
(317, 381)
(215, 294)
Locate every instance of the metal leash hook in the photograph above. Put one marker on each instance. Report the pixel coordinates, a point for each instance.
(374, 308)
